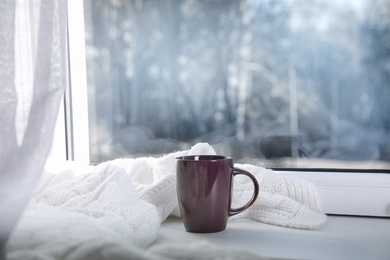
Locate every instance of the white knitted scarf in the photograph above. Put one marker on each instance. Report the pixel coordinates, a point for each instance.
(115, 209)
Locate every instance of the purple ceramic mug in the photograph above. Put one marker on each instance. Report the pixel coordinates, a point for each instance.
(204, 189)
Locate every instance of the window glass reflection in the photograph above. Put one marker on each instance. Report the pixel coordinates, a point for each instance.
(280, 83)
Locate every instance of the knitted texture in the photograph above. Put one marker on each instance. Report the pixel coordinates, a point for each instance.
(114, 209)
(282, 201)
(107, 196)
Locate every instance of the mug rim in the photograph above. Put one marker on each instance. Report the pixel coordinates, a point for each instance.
(199, 158)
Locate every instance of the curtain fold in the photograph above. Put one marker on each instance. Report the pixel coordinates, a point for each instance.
(40, 41)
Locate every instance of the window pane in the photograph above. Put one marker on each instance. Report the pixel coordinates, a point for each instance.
(279, 83)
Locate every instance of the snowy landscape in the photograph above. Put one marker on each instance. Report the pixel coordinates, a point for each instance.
(273, 81)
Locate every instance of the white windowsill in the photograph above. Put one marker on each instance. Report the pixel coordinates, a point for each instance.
(350, 193)
(340, 238)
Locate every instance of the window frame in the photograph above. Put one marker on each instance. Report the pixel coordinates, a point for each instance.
(355, 192)
(76, 96)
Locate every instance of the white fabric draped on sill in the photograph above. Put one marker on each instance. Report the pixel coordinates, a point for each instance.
(79, 212)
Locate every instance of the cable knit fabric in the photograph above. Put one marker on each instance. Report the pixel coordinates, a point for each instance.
(114, 210)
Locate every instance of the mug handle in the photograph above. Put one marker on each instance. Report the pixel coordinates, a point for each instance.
(235, 211)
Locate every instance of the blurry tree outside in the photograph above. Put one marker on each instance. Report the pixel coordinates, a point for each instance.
(285, 83)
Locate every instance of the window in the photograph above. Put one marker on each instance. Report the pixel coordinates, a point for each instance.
(285, 84)
(294, 83)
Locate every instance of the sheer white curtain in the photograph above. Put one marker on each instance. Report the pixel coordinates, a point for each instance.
(32, 80)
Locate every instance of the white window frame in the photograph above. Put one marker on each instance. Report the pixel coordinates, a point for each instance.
(342, 193)
(71, 136)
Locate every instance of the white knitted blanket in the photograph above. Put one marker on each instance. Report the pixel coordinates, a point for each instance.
(114, 210)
